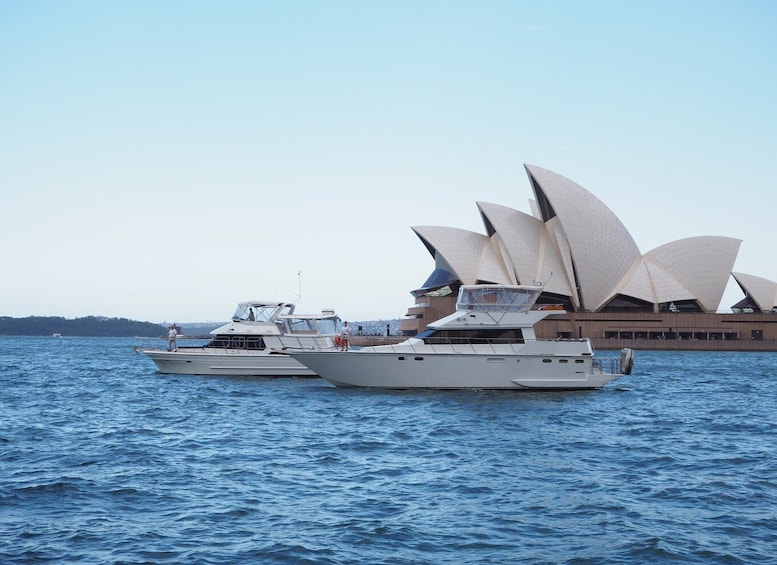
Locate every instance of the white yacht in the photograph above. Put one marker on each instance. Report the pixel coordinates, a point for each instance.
(488, 343)
(254, 343)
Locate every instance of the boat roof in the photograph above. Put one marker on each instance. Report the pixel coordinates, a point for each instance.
(322, 316)
(256, 303)
(487, 286)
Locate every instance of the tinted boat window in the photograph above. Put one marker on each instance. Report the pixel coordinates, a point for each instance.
(491, 335)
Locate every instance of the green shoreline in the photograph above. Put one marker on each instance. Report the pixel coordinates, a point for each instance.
(89, 326)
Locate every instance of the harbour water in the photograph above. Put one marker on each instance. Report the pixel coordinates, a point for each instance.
(105, 460)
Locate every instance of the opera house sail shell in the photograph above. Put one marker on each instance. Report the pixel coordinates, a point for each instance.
(760, 293)
(587, 259)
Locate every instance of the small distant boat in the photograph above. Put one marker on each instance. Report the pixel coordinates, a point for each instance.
(488, 343)
(254, 343)
(56, 335)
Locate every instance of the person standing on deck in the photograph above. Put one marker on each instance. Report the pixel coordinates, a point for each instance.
(345, 337)
(171, 335)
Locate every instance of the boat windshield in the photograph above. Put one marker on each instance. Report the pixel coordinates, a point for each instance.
(331, 325)
(255, 311)
(489, 298)
(312, 325)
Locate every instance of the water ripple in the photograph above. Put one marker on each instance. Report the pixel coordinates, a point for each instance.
(104, 460)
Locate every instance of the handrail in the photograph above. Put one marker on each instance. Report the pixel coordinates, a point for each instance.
(467, 345)
(554, 307)
(432, 340)
(609, 365)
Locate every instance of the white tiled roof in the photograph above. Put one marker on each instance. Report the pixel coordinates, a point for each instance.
(577, 244)
(461, 249)
(601, 248)
(700, 264)
(527, 243)
(762, 291)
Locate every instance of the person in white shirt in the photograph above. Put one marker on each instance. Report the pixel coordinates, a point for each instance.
(345, 337)
(171, 335)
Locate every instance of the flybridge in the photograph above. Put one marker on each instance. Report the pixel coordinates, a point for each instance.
(502, 298)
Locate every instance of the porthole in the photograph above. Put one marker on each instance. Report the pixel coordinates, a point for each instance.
(547, 361)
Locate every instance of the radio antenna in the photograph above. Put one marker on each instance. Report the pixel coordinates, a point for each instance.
(299, 285)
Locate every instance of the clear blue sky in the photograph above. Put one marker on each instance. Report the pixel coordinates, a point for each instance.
(163, 160)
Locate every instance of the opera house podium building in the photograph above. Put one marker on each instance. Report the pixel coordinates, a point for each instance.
(667, 298)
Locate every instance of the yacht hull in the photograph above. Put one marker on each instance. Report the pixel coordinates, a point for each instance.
(207, 361)
(455, 370)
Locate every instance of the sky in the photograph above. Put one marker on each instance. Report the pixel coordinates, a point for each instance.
(163, 160)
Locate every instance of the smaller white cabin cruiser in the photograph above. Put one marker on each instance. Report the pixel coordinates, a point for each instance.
(488, 343)
(254, 343)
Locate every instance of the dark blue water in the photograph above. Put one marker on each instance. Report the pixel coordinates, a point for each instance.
(104, 460)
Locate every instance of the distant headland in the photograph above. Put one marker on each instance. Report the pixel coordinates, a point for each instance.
(100, 326)
(89, 326)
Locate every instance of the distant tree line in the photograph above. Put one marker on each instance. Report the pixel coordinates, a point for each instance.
(90, 326)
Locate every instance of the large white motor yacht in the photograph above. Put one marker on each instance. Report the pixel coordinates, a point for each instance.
(254, 343)
(488, 343)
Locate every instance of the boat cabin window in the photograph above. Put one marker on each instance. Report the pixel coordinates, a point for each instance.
(300, 326)
(236, 342)
(311, 325)
(491, 335)
(329, 325)
(219, 342)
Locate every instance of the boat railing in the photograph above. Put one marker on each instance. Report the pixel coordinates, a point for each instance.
(467, 345)
(608, 365)
(433, 340)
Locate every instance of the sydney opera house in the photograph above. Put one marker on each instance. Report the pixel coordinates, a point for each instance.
(667, 298)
